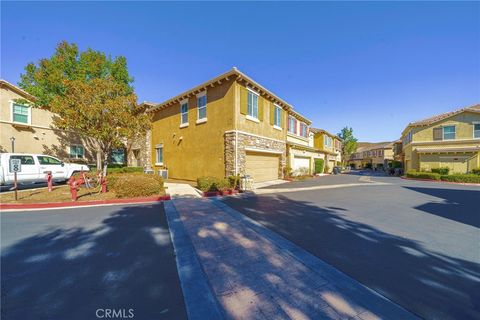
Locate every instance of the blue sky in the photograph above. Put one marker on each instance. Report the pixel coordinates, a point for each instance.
(374, 66)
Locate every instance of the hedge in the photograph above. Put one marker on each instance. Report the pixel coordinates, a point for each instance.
(476, 171)
(466, 178)
(423, 175)
(319, 165)
(135, 185)
(213, 184)
(119, 169)
(442, 171)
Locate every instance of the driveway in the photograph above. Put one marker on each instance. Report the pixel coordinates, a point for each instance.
(416, 243)
(76, 263)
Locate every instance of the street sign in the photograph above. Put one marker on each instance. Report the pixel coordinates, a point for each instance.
(15, 165)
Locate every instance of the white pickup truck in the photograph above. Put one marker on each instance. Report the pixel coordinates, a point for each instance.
(34, 168)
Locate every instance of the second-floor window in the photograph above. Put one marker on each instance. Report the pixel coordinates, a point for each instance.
(303, 130)
(202, 106)
(159, 154)
(21, 114)
(277, 116)
(184, 113)
(328, 141)
(252, 109)
(408, 138)
(292, 125)
(476, 130)
(449, 133)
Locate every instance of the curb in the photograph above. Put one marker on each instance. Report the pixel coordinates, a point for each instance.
(441, 181)
(19, 206)
(200, 302)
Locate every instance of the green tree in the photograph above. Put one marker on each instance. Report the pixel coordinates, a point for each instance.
(90, 93)
(349, 144)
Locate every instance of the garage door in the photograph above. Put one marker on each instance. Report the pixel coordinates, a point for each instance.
(299, 162)
(262, 166)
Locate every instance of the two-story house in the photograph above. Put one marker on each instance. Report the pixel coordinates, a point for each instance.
(301, 152)
(25, 129)
(330, 145)
(449, 139)
(226, 126)
(372, 155)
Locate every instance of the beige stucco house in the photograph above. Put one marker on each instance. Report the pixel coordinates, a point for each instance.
(30, 130)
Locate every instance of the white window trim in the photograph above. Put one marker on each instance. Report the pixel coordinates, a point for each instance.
(158, 146)
(199, 95)
(183, 124)
(454, 132)
(249, 117)
(277, 127)
(77, 145)
(29, 116)
(274, 118)
(473, 133)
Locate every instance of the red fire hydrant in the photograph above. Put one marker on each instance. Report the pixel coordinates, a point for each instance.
(103, 182)
(73, 188)
(49, 181)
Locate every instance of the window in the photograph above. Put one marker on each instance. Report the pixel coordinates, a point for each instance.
(20, 113)
(77, 152)
(303, 130)
(328, 141)
(408, 138)
(184, 112)
(476, 130)
(159, 154)
(202, 106)
(48, 160)
(449, 133)
(252, 109)
(277, 116)
(292, 124)
(118, 155)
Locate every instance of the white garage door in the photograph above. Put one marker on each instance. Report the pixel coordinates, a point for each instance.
(299, 162)
(262, 166)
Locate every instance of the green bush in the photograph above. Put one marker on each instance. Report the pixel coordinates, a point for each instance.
(319, 165)
(476, 171)
(124, 170)
(135, 185)
(465, 178)
(326, 169)
(423, 175)
(234, 181)
(207, 184)
(395, 164)
(442, 171)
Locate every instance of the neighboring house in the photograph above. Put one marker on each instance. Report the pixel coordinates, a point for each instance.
(449, 139)
(330, 145)
(138, 149)
(226, 126)
(372, 155)
(301, 152)
(398, 151)
(32, 129)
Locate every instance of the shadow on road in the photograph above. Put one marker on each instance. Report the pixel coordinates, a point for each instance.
(430, 284)
(127, 262)
(457, 205)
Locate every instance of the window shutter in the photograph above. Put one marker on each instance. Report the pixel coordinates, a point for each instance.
(260, 108)
(272, 113)
(437, 134)
(243, 100)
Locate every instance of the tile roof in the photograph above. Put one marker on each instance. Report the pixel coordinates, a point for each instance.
(439, 117)
(366, 146)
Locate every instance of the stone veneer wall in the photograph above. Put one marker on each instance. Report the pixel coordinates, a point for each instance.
(249, 141)
(144, 144)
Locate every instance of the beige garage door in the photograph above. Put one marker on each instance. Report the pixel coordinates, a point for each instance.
(262, 166)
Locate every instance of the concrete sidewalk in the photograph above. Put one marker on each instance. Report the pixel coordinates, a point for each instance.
(181, 190)
(245, 271)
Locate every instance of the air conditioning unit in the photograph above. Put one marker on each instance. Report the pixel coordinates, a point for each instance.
(163, 173)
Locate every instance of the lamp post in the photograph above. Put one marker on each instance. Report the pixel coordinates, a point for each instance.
(13, 143)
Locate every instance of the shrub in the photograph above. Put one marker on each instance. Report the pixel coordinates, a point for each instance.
(287, 171)
(319, 165)
(212, 184)
(135, 185)
(326, 169)
(423, 175)
(395, 164)
(475, 171)
(234, 181)
(465, 178)
(442, 171)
